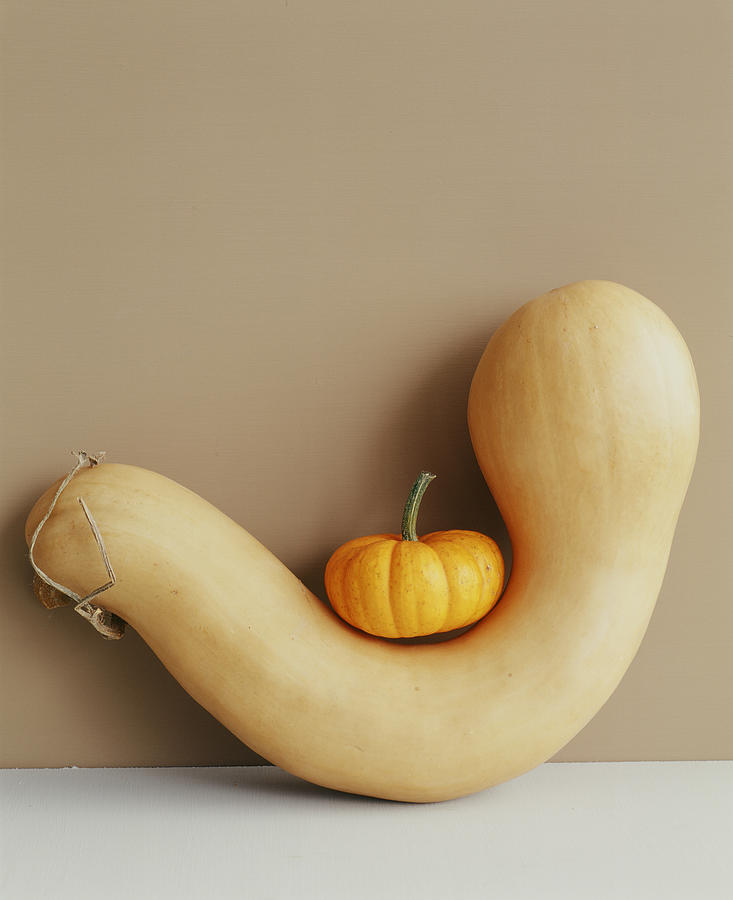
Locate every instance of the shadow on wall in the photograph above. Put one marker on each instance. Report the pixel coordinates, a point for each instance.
(427, 430)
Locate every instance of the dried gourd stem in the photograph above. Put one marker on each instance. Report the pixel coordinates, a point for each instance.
(102, 549)
(108, 624)
(81, 459)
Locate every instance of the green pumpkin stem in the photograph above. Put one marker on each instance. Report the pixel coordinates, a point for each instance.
(409, 518)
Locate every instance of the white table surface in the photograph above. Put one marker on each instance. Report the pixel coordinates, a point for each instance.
(588, 830)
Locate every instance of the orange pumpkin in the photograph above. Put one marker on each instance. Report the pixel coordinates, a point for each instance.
(406, 586)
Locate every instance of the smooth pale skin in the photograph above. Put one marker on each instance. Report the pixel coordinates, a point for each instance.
(584, 414)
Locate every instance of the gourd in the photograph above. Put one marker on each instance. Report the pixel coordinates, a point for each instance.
(402, 586)
(584, 416)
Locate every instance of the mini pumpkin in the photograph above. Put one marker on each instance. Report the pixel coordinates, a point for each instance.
(403, 586)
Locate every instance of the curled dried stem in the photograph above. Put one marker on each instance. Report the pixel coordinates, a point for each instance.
(51, 593)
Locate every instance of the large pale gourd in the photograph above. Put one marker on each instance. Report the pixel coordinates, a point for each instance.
(584, 416)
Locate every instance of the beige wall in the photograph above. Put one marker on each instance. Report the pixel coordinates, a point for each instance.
(260, 246)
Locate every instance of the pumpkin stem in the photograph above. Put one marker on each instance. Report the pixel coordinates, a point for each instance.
(409, 518)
